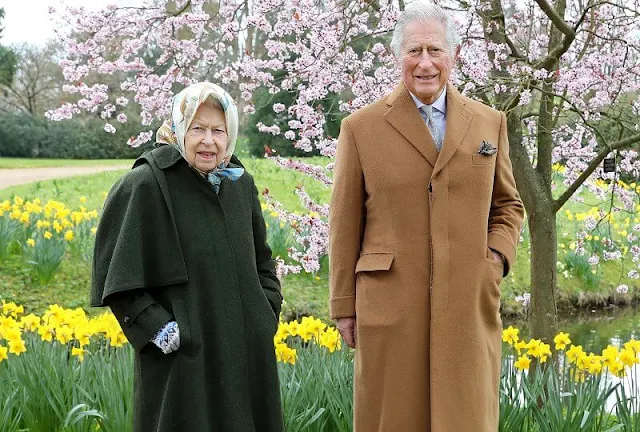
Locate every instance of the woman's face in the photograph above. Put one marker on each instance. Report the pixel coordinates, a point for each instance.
(205, 142)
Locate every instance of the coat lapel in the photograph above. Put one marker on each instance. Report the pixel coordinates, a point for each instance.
(458, 121)
(405, 118)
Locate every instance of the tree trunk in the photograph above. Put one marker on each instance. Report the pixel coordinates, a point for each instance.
(544, 255)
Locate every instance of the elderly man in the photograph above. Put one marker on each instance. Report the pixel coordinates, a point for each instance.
(424, 222)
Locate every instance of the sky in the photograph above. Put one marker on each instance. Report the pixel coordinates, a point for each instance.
(27, 21)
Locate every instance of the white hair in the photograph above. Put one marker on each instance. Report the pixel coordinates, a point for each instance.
(422, 11)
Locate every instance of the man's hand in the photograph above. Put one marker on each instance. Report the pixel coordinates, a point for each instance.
(347, 328)
(496, 256)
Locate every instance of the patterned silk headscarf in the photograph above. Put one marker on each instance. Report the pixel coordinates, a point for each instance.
(183, 110)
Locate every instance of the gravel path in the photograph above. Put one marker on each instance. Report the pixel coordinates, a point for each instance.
(13, 177)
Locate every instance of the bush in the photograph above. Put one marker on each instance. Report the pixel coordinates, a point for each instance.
(23, 135)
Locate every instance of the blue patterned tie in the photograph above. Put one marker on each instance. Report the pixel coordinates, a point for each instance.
(436, 134)
(217, 174)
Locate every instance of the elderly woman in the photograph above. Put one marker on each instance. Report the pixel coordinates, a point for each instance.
(181, 258)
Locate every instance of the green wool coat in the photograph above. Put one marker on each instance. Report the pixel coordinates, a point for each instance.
(169, 248)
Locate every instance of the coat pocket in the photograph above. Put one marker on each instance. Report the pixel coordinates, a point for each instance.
(480, 159)
(181, 316)
(376, 261)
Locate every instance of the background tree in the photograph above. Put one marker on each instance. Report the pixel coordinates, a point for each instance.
(565, 73)
(7, 59)
(37, 83)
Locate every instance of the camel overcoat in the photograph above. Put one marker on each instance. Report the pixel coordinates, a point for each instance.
(410, 232)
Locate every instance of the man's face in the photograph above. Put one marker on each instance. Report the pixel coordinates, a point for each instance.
(425, 59)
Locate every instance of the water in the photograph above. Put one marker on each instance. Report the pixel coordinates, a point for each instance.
(594, 330)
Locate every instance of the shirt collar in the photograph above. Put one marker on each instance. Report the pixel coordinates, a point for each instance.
(440, 104)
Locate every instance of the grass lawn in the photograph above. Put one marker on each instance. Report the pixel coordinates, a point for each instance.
(6, 162)
(281, 184)
(304, 294)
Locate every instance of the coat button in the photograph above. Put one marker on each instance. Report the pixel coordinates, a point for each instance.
(127, 319)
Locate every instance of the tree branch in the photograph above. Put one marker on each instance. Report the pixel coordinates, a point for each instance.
(627, 142)
(556, 19)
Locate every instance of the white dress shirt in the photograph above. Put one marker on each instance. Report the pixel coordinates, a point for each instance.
(439, 110)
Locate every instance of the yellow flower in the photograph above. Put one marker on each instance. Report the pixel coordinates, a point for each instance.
(31, 242)
(57, 226)
(330, 339)
(16, 346)
(520, 345)
(30, 322)
(633, 344)
(617, 368)
(11, 309)
(3, 353)
(78, 352)
(628, 357)
(510, 335)
(46, 332)
(116, 337)
(610, 355)
(561, 340)
(68, 236)
(94, 230)
(523, 363)
(48, 235)
(83, 199)
(593, 364)
(574, 353)
(64, 334)
(533, 346)
(284, 354)
(543, 352)
(82, 334)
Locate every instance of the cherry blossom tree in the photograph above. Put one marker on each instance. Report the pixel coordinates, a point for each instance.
(566, 74)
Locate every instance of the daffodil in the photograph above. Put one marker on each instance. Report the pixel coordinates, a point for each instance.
(610, 355)
(628, 357)
(3, 353)
(561, 340)
(78, 352)
(510, 335)
(523, 363)
(68, 236)
(30, 322)
(574, 353)
(46, 332)
(64, 334)
(616, 368)
(520, 346)
(16, 346)
(47, 235)
(285, 354)
(633, 344)
(31, 242)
